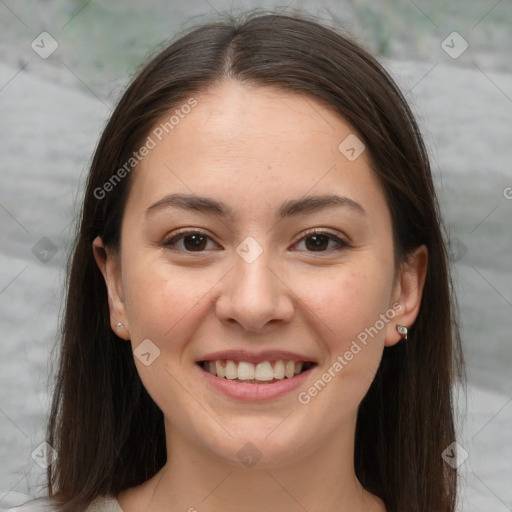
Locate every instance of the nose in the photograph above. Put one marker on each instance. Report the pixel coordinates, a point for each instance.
(255, 295)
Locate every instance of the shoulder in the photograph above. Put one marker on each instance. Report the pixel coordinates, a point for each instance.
(101, 504)
(104, 504)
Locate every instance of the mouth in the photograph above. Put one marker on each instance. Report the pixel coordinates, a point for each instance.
(263, 372)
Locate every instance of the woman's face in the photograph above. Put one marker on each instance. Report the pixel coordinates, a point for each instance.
(255, 233)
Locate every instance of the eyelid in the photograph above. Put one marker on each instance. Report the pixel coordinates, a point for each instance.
(323, 231)
(176, 236)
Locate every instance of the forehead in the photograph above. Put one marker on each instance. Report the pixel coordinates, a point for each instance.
(256, 144)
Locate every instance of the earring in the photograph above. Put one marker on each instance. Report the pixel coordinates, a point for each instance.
(120, 325)
(402, 330)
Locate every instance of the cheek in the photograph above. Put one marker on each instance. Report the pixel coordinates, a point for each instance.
(351, 312)
(349, 300)
(348, 310)
(159, 297)
(164, 305)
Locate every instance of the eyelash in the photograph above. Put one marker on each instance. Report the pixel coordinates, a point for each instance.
(171, 242)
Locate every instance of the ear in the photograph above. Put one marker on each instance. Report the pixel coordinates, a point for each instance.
(407, 293)
(110, 267)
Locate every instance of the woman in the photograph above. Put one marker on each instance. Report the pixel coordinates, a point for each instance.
(259, 311)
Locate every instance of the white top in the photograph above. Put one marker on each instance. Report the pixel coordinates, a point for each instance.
(101, 504)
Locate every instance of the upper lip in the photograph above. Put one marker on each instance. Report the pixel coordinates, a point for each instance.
(257, 357)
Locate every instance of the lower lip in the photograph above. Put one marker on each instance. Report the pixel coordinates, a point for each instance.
(254, 392)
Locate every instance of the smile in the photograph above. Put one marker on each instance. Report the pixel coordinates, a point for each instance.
(255, 381)
(251, 373)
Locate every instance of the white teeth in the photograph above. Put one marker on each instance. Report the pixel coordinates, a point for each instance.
(219, 370)
(245, 371)
(265, 371)
(279, 370)
(231, 370)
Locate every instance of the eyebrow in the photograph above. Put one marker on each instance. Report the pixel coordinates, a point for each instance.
(289, 208)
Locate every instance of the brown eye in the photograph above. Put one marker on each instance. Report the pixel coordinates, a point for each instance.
(321, 241)
(188, 242)
(317, 242)
(194, 242)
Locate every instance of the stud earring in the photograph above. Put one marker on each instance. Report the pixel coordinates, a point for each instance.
(120, 325)
(402, 330)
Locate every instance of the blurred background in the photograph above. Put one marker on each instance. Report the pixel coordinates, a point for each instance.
(63, 65)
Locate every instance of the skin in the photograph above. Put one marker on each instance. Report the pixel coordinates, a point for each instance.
(253, 148)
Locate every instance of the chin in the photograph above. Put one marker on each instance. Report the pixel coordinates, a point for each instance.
(260, 445)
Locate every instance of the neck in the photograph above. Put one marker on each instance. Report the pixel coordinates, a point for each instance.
(323, 480)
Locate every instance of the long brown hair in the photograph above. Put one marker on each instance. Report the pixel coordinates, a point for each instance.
(107, 430)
